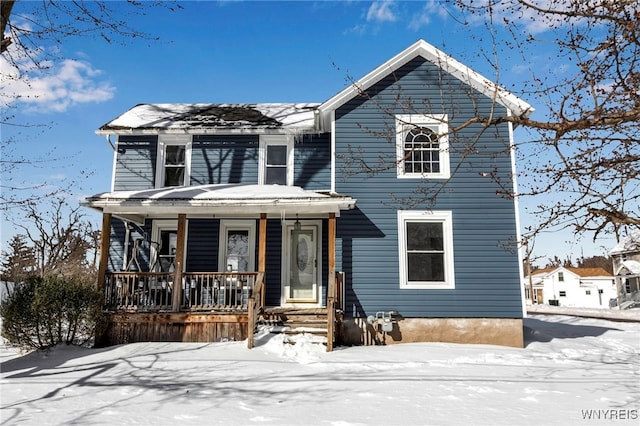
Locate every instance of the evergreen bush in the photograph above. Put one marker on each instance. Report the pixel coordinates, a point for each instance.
(42, 312)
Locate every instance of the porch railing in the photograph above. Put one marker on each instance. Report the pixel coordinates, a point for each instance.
(217, 290)
(200, 291)
(131, 291)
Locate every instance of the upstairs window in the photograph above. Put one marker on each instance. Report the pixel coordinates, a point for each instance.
(422, 147)
(276, 160)
(421, 151)
(174, 161)
(276, 166)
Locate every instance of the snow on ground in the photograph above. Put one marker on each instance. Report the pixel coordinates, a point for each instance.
(573, 371)
(612, 314)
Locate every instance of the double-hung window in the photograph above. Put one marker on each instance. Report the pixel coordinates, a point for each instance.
(174, 160)
(425, 244)
(276, 160)
(422, 146)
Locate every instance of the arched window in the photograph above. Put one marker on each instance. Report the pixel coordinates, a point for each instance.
(422, 146)
(421, 151)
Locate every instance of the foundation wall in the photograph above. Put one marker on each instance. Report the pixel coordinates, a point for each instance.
(172, 327)
(491, 331)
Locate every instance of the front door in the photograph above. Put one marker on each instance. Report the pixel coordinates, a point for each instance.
(300, 254)
(539, 296)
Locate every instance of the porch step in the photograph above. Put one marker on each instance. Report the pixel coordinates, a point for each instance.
(295, 322)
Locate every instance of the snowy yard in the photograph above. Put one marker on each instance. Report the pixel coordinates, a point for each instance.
(572, 371)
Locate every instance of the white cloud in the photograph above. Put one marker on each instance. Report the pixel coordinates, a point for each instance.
(56, 88)
(431, 9)
(380, 11)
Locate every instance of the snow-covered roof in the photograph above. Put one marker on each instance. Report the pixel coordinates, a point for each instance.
(204, 118)
(421, 48)
(209, 200)
(631, 243)
(581, 272)
(629, 267)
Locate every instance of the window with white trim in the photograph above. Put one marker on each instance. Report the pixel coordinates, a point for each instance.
(276, 160)
(164, 237)
(173, 161)
(422, 146)
(425, 245)
(237, 245)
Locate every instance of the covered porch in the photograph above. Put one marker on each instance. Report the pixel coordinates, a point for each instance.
(220, 303)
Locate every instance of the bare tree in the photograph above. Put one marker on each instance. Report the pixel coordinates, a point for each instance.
(582, 161)
(586, 146)
(30, 28)
(59, 242)
(33, 35)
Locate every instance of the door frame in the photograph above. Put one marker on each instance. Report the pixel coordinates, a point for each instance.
(287, 227)
(157, 227)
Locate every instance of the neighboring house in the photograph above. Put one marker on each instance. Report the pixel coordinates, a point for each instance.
(572, 287)
(223, 215)
(626, 268)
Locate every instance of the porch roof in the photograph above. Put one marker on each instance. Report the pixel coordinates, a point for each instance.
(629, 267)
(221, 199)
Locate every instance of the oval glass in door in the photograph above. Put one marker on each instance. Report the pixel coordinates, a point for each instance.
(302, 266)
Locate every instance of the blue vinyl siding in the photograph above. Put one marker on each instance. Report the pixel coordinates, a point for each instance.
(116, 248)
(202, 245)
(224, 159)
(273, 274)
(217, 159)
(312, 164)
(135, 162)
(486, 273)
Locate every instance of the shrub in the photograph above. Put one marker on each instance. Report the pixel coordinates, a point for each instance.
(45, 311)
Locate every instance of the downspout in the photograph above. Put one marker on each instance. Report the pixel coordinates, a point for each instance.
(113, 147)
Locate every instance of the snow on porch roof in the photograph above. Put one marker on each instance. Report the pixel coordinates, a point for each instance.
(228, 199)
(214, 117)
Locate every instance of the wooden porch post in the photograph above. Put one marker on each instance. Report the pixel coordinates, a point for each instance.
(331, 290)
(177, 274)
(262, 250)
(105, 241)
(331, 248)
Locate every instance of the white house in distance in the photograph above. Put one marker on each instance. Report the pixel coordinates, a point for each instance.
(626, 267)
(572, 287)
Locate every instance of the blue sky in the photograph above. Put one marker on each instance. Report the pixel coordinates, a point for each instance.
(234, 52)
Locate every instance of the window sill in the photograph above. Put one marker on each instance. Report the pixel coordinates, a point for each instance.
(424, 176)
(435, 286)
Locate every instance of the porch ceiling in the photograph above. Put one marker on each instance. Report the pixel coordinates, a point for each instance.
(224, 199)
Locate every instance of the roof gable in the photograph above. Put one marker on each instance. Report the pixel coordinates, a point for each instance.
(445, 62)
